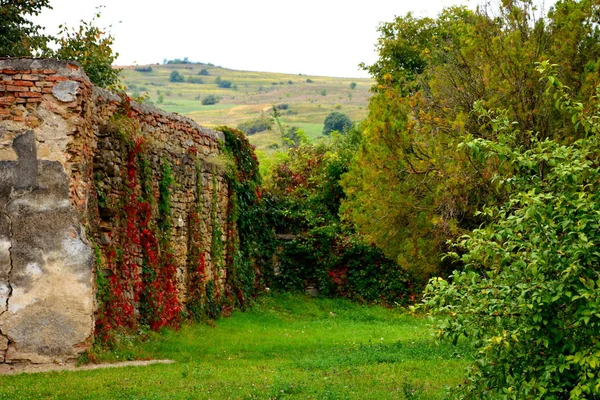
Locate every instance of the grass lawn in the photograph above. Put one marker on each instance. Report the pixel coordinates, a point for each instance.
(287, 346)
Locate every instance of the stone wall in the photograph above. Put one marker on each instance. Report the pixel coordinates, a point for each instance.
(64, 167)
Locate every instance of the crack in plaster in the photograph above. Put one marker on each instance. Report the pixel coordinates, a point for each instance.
(8, 274)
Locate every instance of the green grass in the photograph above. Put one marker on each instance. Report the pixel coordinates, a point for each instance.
(286, 347)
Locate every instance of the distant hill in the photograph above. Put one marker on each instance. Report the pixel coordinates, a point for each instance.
(304, 100)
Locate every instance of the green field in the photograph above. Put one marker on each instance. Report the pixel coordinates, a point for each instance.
(310, 98)
(286, 347)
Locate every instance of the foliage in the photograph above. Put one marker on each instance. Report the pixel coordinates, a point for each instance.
(139, 257)
(294, 137)
(222, 83)
(91, 47)
(342, 265)
(204, 72)
(19, 37)
(305, 195)
(210, 100)
(195, 79)
(256, 125)
(411, 188)
(185, 60)
(175, 76)
(528, 297)
(250, 239)
(336, 121)
(143, 69)
(352, 85)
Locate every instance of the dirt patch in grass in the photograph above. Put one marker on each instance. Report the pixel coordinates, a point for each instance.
(15, 369)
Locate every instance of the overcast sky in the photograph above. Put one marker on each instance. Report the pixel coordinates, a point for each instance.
(312, 37)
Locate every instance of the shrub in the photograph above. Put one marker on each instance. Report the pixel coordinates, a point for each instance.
(309, 80)
(528, 297)
(20, 37)
(336, 121)
(176, 77)
(92, 49)
(143, 69)
(260, 124)
(210, 100)
(353, 85)
(203, 72)
(223, 83)
(194, 79)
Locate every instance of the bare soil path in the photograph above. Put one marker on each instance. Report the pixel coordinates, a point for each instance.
(14, 369)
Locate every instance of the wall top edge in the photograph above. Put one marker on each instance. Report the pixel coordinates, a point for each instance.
(72, 69)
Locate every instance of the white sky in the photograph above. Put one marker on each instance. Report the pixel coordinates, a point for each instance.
(312, 37)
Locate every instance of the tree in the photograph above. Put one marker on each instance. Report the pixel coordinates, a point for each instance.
(204, 72)
(528, 297)
(336, 121)
(210, 100)
(222, 83)
(20, 37)
(256, 125)
(353, 85)
(92, 48)
(411, 188)
(176, 77)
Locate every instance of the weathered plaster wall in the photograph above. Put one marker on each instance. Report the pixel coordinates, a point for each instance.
(58, 150)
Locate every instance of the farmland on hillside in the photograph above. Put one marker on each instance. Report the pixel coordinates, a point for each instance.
(305, 101)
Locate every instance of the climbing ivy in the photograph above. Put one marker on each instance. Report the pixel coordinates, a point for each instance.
(250, 237)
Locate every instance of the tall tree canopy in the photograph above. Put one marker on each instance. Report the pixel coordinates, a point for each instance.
(19, 37)
(412, 188)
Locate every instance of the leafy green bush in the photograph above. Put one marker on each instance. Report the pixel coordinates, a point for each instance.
(529, 296)
(176, 77)
(341, 265)
(92, 49)
(194, 79)
(203, 72)
(222, 83)
(260, 124)
(143, 69)
(305, 195)
(20, 37)
(336, 121)
(210, 100)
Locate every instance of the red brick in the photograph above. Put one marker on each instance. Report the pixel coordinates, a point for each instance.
(49, 71)
(4, 111)
(30, 78)
(56, 78)
(23, 83)
(18, 119)
(44, 84)
(46, 90)
(10, 71)
(13, 88)
(34, 100)
(21, 101)
(7, 100)
(30, 94)
(72, 66)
